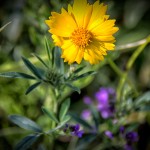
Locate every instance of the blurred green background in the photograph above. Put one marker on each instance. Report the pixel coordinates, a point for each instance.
(25, 35)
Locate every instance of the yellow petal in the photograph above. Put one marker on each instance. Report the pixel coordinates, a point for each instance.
(109, 46)
(104, 27)
(79, 56)
(57, 40)
(104, 38)
(87, 16)
(98, 15)
(91, 56)
(94, 54)
(61, 24)
(70, 52)
(79, 10)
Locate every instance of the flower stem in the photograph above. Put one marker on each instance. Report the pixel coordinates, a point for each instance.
(130, 45)
(128, 67)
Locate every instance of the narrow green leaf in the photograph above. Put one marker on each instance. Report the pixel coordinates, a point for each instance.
(57, 60)
(57, 57)
(3, 27)
(63, 109)
(145, 97)
(16, 75)
(53, 56)
(65, 119)
(32, 68)
(26, 142)
(73, 87)
(32, 87)
(41, 60)
(50, 114)
(47, 47)
(79, 69)
(83, 75)
(25, 123)
(81, 121)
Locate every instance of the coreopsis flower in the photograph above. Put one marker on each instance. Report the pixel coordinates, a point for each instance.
(84, 31)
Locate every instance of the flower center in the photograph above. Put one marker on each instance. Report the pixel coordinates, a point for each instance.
(81, 37)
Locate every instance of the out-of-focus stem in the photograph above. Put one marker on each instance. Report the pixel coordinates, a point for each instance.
(130, 45)
(137, 53)
(3, 27)
(130, 63)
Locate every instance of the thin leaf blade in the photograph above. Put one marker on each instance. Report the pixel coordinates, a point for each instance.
(79, 69)
(83, 75)
(41, 60)
(32, 87)
(32, 68)
(81, 121)
(73, 87)
(16, 75)
(25, 123)
(26, 142)
(64, 108)
(47, 47)
(50, 114)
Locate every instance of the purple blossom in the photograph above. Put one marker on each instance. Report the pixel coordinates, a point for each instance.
(106, 110)
(122, 129)
(105, 113)
(109, 134)
(128, 147)
(102, 96)
(74, 129)
(131, 137)
(87, 100)
(78, 133)
(86, 114)
(106, 98)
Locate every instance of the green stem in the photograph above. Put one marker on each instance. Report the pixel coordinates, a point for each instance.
(128, 66)
(137, 53)
(120, 73)
(114, 67)
(130, 45)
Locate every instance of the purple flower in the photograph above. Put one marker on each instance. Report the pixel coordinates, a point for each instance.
(87, 100)
(102, 96)
(122, 129)
(109, 134)
(106, 98)
(75, 130)
(128, 147)
(106, 110)
(131, 137)
(105, 113)
(86, 114)
(78, 133)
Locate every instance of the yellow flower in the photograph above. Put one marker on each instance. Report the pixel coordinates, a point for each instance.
(83, 32)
